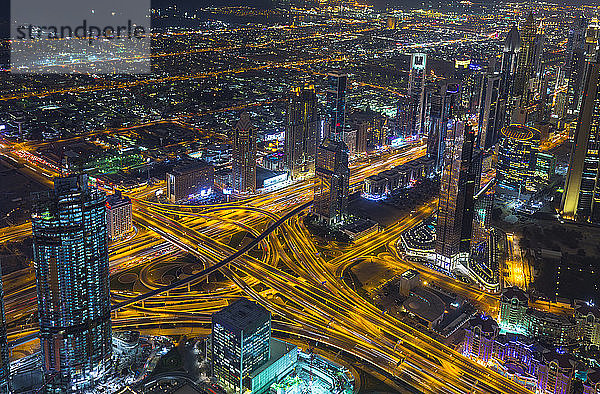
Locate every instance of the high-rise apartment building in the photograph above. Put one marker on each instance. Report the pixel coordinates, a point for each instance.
(455, 207)
(119, 218)
(333, 181)
(517, 157)
(416, 93)
(581, 196)
(336, 104)
(240, 339)
(301, 132)
(244, 156)
(71, 257)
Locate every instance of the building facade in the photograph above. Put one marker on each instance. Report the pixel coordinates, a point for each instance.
(581, 196)
(456, 204)
(416, 93)
(333, 181)
(588, 320)
(526, 57)
(71, 256)
(575, 65)
(244, 156)
(301, 132)
(513, 307)
(517, 158)
(336, 104)
(119, 219)
(480, 338)
(508, 70)
(190, 180)
(492, 113)
(442, 104)
(538, 368)
(240, 341)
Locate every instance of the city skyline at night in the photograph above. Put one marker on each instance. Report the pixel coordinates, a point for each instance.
(300, 196)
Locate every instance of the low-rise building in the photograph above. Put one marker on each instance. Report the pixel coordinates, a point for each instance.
(408, 281)
(552, 329)
(519, 358)
(284, 357)
(126, 349)
(392, 177)
(375, 186)
(188, 180)
(513, 306)
(588, 320)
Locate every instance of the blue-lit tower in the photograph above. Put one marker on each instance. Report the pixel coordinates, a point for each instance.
(336, 104)
(71, 256)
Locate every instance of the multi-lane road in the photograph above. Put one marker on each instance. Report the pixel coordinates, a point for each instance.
(303, 290)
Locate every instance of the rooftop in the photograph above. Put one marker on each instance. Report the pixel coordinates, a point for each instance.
(242, 315)
(278, 350)
(521, 132)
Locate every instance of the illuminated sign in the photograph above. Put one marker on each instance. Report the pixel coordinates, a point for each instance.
(397, 142)
(419, 60)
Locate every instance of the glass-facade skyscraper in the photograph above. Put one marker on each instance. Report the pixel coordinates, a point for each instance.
(301, 132)
(526, 58)
(416, 94)
(333, 181)
(575, 63)
(581, 197)
(442, 104)
(455, 207)
(517, 156)
(71, 256)
(336, 104)
(244, 155)
(240, 339)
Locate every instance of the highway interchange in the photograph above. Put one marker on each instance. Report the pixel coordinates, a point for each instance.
(286, 273)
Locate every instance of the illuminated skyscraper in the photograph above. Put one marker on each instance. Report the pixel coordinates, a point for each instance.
(333, 181)
(241, 334)
(301, 132)
(71, 257)
(508, 71)
(592, 35)
(455, 207)
(416, 93)
(244, 155)
(517, 156)
(526, 58)
(336, 104)
(581, 197)
(575, 64)
(442, 104)
(492, 113)
(4, 355)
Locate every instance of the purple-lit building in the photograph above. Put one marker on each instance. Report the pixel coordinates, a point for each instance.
(480, 336)
(519, 358)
